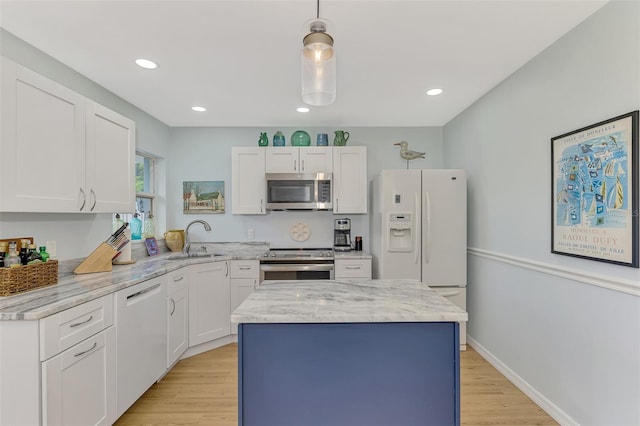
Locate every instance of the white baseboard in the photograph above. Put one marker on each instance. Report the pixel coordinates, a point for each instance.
(543, 402)
(204, 347)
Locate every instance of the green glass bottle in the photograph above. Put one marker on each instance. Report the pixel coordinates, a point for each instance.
(44, 254)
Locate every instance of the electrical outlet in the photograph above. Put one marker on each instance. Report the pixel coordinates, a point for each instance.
(52, 249)
(251, 234)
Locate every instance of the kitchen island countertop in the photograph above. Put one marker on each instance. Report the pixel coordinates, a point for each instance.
(344, 301)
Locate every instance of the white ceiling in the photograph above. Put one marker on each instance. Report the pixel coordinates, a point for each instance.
(241, 58)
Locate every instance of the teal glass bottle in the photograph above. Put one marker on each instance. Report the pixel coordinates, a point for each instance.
(136, 227)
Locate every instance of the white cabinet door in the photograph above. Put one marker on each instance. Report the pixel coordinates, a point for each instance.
(350, 179)
(79, 384)
(177, 316)
(110, 159)
(42, 144)
(248, 182)
(209, 302)
(241, 288)
(282, 160)
(299, 160)
(244, 279)
(316, 159)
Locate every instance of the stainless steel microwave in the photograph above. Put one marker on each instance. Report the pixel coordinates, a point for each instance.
(293, 191)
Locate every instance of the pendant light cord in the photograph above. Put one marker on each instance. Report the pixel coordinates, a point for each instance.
(318, 10)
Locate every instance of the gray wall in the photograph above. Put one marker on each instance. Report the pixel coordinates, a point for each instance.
(78, 234)
(566, 329)
(204, 154)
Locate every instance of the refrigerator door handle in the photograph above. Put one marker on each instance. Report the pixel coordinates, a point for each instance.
(426, 237)
(416, 233)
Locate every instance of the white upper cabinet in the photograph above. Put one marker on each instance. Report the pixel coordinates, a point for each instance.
(299, 159)
(349, 179)
(42, 148)
(59, 151)
(248, 182)
(110, 160)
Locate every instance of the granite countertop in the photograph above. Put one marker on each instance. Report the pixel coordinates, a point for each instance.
(351, 255)
(346, 301)
(73, 290)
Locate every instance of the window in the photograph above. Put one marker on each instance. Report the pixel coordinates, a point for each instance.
(145, 188)
(145, 184)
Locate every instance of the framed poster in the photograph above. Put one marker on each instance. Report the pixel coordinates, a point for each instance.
(203, 197)
(594, 179)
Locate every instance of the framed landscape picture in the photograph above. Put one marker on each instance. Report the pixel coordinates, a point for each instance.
(203, 196)
(594, 179)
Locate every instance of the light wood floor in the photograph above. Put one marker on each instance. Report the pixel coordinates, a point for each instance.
(202, 391)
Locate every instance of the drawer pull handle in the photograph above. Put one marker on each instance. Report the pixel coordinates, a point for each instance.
(81, 322)
(245, 268)
(180, 278)
(351, 267)
(88, 350)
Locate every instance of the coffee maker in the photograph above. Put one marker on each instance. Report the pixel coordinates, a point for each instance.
(342, 234)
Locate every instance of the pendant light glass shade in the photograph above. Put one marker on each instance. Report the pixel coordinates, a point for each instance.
(318, 65)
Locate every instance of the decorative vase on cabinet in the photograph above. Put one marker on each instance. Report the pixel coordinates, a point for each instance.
(300, 138)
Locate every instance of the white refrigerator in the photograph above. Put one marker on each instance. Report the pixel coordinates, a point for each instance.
(419, 230)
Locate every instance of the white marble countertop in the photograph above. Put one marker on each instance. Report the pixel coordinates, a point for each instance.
(73, 290)
(352, 255)
(346, 301)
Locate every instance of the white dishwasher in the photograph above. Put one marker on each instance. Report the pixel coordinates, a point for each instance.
(141, 339)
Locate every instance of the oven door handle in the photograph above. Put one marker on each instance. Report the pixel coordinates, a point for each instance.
(297, 267)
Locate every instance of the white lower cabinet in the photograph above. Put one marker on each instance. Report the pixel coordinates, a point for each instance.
(177, 315)
(245, 275)
(359, 269)
(79, 385)
(209, 297)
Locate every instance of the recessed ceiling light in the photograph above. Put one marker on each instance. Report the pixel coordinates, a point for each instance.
(434, 92)
(146, 64)
(303, 109)
(198, 108)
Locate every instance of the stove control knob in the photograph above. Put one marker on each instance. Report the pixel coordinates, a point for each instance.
(273, 255)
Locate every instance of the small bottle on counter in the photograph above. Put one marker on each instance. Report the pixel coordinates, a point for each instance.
(3, 253)
(44, 254)
(14, 260)
(24, 254)
(33, 256)
(117, 222)
(136, 227)
(148, 229)
(358, 244)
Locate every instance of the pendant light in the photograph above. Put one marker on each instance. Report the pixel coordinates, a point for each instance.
(318, 63)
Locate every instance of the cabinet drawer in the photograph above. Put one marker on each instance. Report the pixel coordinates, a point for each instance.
(64, 329)
(245, 269)
(353, 268)
(178, 280)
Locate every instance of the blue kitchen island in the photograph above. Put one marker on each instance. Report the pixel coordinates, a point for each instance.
(377, 352)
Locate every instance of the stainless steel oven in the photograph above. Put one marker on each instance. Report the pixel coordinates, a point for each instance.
(297, 265)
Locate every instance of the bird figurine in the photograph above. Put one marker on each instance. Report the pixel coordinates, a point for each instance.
(407, 154)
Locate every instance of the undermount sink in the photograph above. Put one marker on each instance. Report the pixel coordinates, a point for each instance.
(180, 256)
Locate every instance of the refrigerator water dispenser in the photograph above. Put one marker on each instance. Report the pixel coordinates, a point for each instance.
(401, 232)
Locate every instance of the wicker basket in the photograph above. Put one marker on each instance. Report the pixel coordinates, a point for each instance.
(28, 277)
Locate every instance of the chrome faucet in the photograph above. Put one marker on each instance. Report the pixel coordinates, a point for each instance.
(187, 244)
